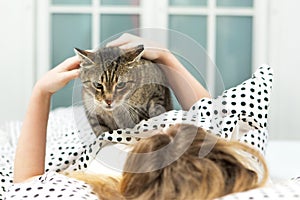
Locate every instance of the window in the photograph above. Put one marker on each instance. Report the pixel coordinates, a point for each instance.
(227, 29)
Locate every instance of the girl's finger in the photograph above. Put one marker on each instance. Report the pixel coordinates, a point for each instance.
(117, 42)
(123, 39)
(69, 64)
(70, 75)
(129, 45)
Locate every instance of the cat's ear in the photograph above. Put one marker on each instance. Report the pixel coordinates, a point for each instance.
(86, 57)
(134, 54)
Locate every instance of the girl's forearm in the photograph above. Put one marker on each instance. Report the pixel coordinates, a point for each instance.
(186, 88)
(30, 153)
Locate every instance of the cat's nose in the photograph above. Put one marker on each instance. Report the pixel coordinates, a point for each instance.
(108, 101)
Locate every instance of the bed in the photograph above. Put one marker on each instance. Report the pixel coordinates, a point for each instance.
(282, 167)
(62, 128)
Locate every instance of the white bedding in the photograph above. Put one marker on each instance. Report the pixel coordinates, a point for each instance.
(283, 159)
(279, 155)
(63, 136)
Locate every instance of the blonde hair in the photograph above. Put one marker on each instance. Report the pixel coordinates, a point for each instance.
(223, 170)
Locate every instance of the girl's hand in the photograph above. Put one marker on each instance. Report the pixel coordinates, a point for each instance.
(31, 148)
(59, 76)
(153, 50)
(177, 75)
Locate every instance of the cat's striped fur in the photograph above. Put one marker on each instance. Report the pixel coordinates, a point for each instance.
(120, 88)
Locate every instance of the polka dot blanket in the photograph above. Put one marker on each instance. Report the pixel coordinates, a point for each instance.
(240, 113)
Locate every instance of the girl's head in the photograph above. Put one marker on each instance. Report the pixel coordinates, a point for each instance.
(206, 166)
(187, 163)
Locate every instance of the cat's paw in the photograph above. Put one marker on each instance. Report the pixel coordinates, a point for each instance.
(156, 110)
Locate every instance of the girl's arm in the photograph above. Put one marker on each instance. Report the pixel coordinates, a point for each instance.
(186, 88)
(30, 153)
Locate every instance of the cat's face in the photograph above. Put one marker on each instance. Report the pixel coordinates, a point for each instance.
(108, 75)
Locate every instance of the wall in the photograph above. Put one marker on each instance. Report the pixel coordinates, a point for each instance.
(284, 56)
(16, 53)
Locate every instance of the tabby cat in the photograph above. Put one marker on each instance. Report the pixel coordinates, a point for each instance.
(120, 88)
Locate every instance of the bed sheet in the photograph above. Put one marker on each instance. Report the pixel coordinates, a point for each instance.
(283, 189)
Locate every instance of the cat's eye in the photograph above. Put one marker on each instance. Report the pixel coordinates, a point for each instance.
(121, 85)
(98, 85)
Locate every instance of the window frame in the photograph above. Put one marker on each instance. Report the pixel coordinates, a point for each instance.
(162, 10)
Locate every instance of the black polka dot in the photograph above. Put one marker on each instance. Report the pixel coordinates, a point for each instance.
(259, 116)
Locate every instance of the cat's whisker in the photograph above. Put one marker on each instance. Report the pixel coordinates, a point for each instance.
(137, 110)
(80, 103)
(130, 116)
(86, 100)
(90, 110)
(134, 112)
(127, 109)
